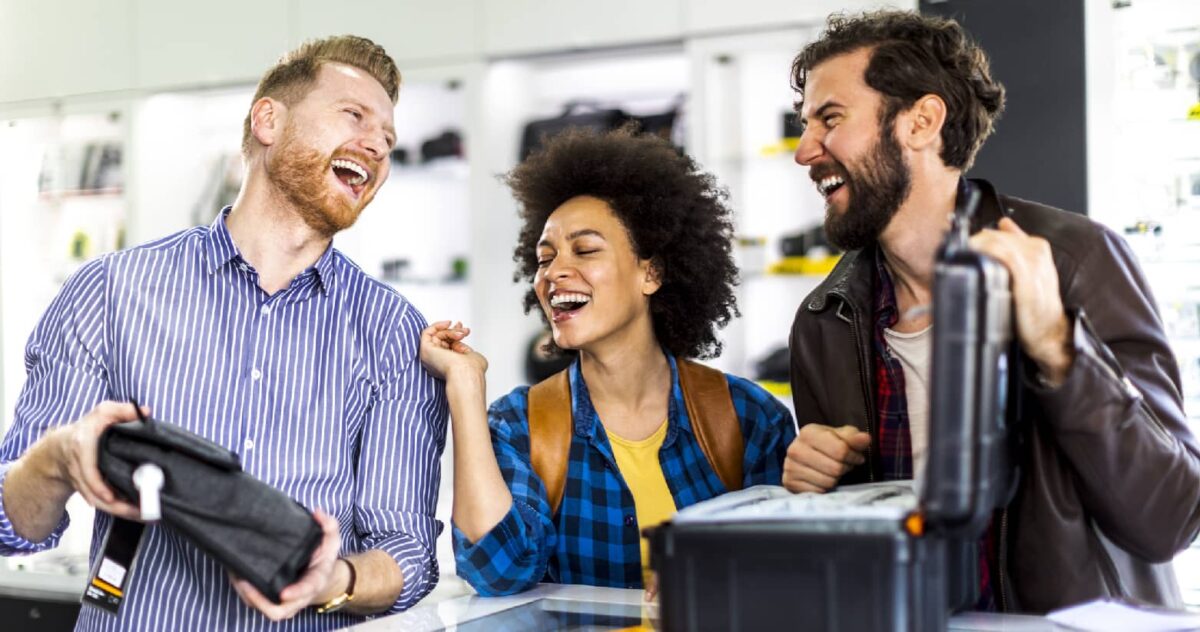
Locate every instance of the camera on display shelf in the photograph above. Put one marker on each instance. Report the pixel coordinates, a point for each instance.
(595, 116)
(446, 144)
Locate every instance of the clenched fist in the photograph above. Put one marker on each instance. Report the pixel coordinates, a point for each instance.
(820, 455)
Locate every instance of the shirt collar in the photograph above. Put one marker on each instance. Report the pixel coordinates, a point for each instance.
(219, 243)
(586, 420)
(221, 251)
(326, 269)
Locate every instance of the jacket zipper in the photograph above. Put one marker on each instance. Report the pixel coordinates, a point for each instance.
(1002, 559)
(866, 387)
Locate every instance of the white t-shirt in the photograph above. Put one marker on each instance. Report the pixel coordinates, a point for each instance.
(913, 352)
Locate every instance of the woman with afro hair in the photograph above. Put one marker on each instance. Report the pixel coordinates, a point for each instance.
(626, 246)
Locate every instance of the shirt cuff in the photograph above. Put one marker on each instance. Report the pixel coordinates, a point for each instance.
(418, 565)
(500, 563)
(13, 544)
(510, 529)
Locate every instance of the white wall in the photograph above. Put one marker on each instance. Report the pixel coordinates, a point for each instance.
(58, 48)
(54, 48)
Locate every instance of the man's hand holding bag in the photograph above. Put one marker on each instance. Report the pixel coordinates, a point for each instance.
(255, 531)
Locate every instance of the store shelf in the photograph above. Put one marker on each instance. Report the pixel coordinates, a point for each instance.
(1153, 160)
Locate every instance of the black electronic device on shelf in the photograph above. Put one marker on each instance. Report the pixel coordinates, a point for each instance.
(575, 114)
(800, 243)
(877, 557)
(600, 118)
(448, 144)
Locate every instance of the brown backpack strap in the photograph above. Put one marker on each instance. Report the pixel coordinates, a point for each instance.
(709, 407)
(714, 421)
(549, 413)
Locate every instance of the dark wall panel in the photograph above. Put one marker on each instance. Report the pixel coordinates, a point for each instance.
(1039, 148)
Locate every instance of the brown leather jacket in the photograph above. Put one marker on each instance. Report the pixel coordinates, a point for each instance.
(1109, 484)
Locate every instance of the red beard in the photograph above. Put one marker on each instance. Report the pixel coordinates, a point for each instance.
(301, 173)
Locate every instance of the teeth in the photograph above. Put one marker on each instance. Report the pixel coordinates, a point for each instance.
(363, 176)
(559, 299)
(829, 183)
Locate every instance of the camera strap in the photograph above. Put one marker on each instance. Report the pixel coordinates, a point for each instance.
(108, 581)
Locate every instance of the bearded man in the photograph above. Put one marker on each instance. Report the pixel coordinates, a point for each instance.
(255, 333)
(894, 107)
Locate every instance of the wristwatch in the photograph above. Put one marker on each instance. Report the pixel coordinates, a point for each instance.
(339, 602)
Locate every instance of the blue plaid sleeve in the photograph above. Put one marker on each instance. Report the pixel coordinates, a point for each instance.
(768, 429)
(513, 556)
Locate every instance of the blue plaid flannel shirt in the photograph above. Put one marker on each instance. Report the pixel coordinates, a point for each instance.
(594, 538)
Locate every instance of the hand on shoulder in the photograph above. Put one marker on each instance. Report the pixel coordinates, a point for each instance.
(443, 352)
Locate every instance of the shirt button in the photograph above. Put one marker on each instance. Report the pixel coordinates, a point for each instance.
(244, 267)
(266, 310)
(255, 374)
(248, 444)
(629, 521)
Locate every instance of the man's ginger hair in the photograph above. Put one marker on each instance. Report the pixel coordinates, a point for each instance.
(291, 78)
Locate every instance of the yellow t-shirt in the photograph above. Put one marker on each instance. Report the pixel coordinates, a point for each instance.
(642, 471)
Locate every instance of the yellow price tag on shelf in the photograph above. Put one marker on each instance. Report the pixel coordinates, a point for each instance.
(1194, 113)
(780, 389)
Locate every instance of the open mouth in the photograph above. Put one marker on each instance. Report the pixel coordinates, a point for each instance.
(830, 185)
(352, 174)
(565, 305)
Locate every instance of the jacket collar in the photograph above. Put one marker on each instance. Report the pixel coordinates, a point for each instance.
(991, 206)
(853, 279)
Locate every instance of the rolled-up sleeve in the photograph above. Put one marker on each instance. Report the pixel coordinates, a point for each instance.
(399, 467)
(66, 378)
(13, 544)
(767, 429)
(514, 555)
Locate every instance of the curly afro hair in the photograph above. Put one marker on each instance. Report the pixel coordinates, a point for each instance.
(675, 215)
(912, 56)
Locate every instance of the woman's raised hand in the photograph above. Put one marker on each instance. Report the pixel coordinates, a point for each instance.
(443, 351)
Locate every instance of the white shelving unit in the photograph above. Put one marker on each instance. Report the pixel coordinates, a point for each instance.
(1156, 159)
(743, 83)
(63, 201)
(1144, 169)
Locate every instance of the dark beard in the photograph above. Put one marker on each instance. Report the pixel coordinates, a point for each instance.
(877, 189)
(300, 172)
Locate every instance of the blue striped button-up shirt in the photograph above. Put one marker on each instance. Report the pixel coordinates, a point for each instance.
(318, 388)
